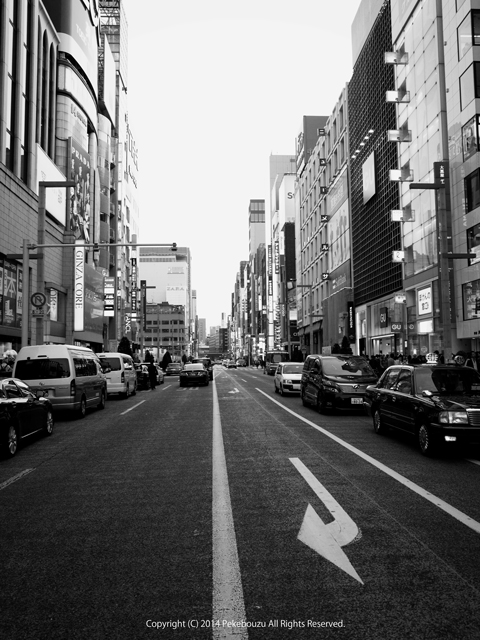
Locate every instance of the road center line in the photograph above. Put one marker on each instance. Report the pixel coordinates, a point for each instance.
(438, 502)
(15, 478)
(134, 407)
(227, 601)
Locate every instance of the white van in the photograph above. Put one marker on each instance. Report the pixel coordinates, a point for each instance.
(71, 375)
(120, 373)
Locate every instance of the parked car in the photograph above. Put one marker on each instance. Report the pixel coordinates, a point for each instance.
(288, 377)
(437, 404)
(336, 381)
(241, 362)
(194, 373)
(72, 375)
(143, 375)
(22, 413)
(173, 369)
(231, 364)
(120, 373)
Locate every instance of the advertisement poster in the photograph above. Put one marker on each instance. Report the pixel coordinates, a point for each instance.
(80, 193)
(10, 294)
(93, 318)
(1, 291)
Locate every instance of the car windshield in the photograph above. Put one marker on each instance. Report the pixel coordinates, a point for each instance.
(42, 369)
(347, 367)
(194, 367)
(293, 368)
(454, 381)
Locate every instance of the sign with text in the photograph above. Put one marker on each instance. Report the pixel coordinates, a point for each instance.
(79, 286)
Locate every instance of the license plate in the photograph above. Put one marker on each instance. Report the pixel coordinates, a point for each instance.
(357, 400)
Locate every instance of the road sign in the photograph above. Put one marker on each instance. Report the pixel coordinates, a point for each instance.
(38, 313)
(38, 299)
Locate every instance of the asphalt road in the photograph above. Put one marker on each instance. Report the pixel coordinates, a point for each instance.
(228, 511)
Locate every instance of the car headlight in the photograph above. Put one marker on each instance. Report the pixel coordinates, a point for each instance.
(453, 417)
(288, 381)
(331, 386)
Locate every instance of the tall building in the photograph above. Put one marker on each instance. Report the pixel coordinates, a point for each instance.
(256, 234)
(202, 330)
(377, 279)
(168, 279)
(279, 165)
(58, 123)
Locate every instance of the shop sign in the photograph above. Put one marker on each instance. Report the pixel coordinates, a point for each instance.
(79, 295)
(397, 327)
(424, 301)
(383, 316)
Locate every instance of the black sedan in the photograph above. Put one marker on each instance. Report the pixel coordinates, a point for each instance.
(194, 374)
(22, 414)
(438, 404)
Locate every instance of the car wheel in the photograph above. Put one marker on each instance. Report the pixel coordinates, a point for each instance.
(378, 425)
(425, 441)
(207, 383)
(12, 441)
(321, 406)
(103, 399)
(134, 392)
(304, 401)
(49, 424)
(276, 389)
(82, 411)
(127, 392)
(282, 392)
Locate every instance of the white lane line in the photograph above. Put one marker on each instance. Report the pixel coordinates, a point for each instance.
(227, 601)
(134, 407)
(473, 461)
(15, 478)
(438, 502)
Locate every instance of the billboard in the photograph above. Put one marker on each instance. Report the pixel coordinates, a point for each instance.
(79, 204)
(10, 294)
(55, 197)
(109, 79)
(78, 25)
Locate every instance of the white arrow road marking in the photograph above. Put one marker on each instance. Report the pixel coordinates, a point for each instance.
(234, 391)
(327, 539)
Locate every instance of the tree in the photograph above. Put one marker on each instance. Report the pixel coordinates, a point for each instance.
(124, 346)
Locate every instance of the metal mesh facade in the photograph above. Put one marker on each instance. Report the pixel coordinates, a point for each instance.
(374, 236)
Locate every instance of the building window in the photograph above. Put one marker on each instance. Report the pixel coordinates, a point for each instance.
(470, 138)
(472, 190)
(468, 33)
(473, 242)
(470, 84)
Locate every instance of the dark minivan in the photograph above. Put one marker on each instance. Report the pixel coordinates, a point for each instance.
(336, 381)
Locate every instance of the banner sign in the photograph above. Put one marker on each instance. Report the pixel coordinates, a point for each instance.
(79, 286)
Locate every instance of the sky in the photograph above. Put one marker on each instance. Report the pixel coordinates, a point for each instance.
(214, 88)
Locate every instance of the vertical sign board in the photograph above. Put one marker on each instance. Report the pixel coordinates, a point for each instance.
(108, 297)
(79, 286)
(133, 288)
(143, 293)
(270, 274)
(351, 320)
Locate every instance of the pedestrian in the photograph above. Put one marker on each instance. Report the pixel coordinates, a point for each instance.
(152, 374)
(6, 368)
